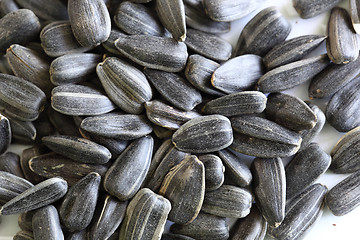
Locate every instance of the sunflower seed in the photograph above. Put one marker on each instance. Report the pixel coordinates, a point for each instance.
(25, 220)
(11, 186)
(23, 235)
(56, 10)
(5, 134)
(214, 171)
(109, 44)
(204, 134)
(8, 6)
(26, 155)
(310, 8)
(64, 124)
(162, 133)
(10, 162)
(354, 12)
(81, 235)
(23, 131)
(46, 224)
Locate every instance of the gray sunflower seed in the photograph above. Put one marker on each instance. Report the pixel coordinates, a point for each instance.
(166, 116)
(125, 177)
(305, 168)
(345, 196)
(90, 21)
(311, 8)
(26, 155)
(172, 16)
(308, 135)
(354, 12)
(270, 189)
(16, 104)
(135, 19)
(46, 224)
(24, 235)
(214, 171)
(117, 125)
(184, 186)
(290, 112)
(78, 100)
(301, 213)
(145, 216)
(175, 89)
(25, 221)
(333, 78)
(237, 170)
(108, 218)
(259, 137)
(57, 39)
(8, 6)
(208, 45)
(345, 154)
(342, 111)
(64, 124)
(246, 102)
(267, 29)
(5, 134)
(228, 201)
(10, 162)
(11, 186)
(237, 74)
(78, 206)
(126, 86)
(51, 165)
(341, 45)
(19, 27)
(199, 71)
(35, 197)
(154, 52)
(73, 68)
(252, 227)
(171, 236)
(197, 18)
(78, 149)
(204, 227)
(109, 44)
(204, 134)
(292, 74)
(30, 65)
(56, 10)
(23, 131)
(292, 50)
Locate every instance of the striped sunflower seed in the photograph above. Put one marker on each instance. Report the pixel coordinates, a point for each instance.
(267, 29)
(24, 235)
(291, 50)
(46, 224)
(345, 154)
(204, 134)
(5, 134)
(342, 45)
(35, 197)
(125, 85)
(56, 10)
(11, 186)
(172, 16)
(214, 171)
(354, 13)
(10, 162)
(311, 8)
(154, 52)
(26, 155)
(145, 216)
(8, 6)
(238, 74)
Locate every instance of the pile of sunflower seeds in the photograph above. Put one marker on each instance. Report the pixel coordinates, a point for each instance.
(137, 112)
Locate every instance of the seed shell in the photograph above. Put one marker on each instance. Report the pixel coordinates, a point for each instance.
(310, 8)
(26, 155)
(5, 134)
(354, 13)
(56, 10)
(10, 162)
(214, 171)
(11, 186)
(46, 224)
(8, 6)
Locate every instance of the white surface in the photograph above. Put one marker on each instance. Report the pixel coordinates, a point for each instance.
(329, 227)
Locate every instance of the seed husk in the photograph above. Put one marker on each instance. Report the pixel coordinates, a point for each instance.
(10, 162)
(24, 131)
(26, 155)
(46, 224)
(56, 10)
(11, 186)
(214, 171)
(5, 134)
(310, 8)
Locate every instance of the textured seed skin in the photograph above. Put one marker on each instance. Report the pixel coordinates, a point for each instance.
(292, 50)
(172, 16)
(205, 226)
(43, 9)
(301, 213)
(125, 177)
(214, 171)
(252, 227)
(354, 13)
(10, 162)
(246, 102)
(344, 197)
(78, 100)
(290, 112)
(333, 78)
(208, 45)
(90, 21)
(164, 54)
(292, 74)
(145, 216)
(342, 109)
(136, 19)
(24, 235)
(5, 134)
(309, 8)
(342, 44)
(238, 74)
(267, 29)
(51, 165)
(174, 88)
(46, 224)
(11, 186)
(204, 134)
(18, 27)
(125, 85)
(117, 125)
(35, 197)
(345, 154)
(305, 168)
(259, 137)
(16, 104)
